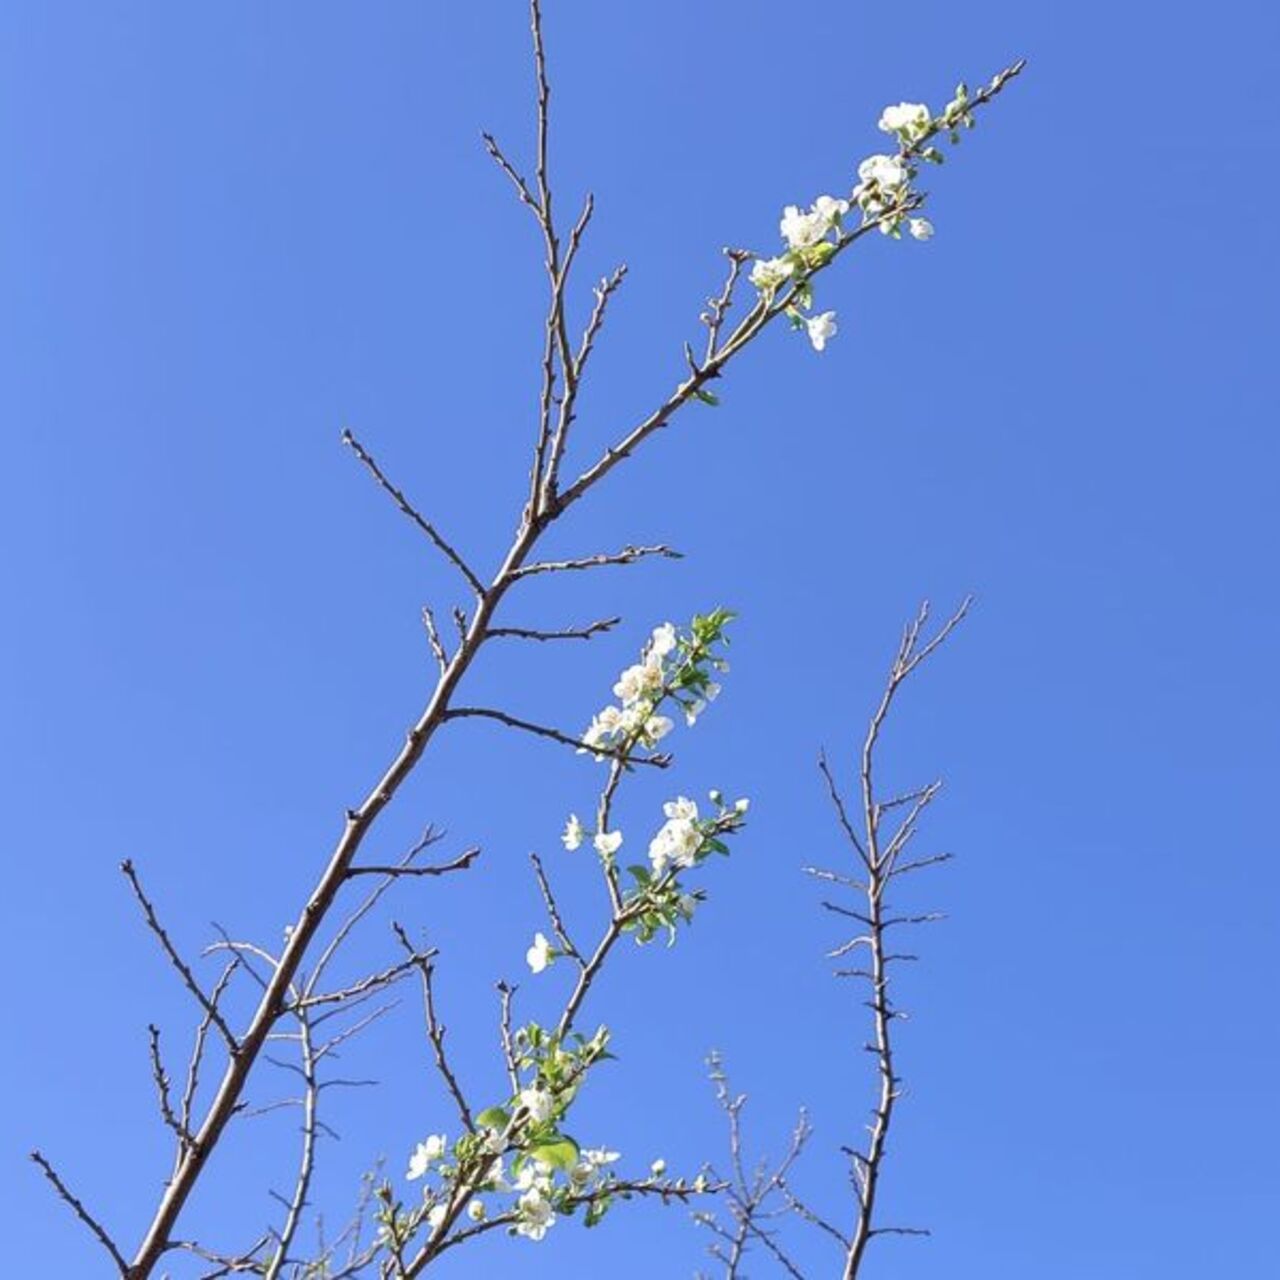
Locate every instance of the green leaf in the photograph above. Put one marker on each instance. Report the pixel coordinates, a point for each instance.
(563, 1154)
(706, 397)
(493, 1118)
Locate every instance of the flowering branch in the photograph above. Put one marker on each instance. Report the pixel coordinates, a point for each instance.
(885, 202)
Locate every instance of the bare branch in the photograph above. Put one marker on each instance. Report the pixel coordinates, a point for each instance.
(178, 963)
(441, 544)
(553, 910)
(569, 633)
(628, 555)
(460, 863)
(161, 1078)
(421, 960)
(82, 1213)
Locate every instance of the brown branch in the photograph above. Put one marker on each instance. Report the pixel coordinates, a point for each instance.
(81, 1212)
(460, 863)
(628, 555)
(161, 1078)
(184, 971)
(657, 761)
(878, 855)
(569, 633)
(435, 1028)
(409, 510)
(553, 911)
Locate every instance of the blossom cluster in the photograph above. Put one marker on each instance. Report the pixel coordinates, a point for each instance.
(882, 196)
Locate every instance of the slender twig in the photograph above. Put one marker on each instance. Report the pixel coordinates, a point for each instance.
(628, 555)
(82, 1213)
(421, 960)
(553, 910)
(657, 761)
(184, 971)
(445, 547)
(161, 1079)
(568, 633)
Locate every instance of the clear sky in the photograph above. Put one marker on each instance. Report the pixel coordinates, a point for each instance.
(229, 230)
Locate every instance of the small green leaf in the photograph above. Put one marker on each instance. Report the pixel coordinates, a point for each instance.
(493, 1118)
(559, 1155)
(706, 397)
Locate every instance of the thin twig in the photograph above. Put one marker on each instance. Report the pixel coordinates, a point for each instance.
(188, 978)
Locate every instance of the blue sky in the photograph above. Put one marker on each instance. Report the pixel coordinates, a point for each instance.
(231, 230)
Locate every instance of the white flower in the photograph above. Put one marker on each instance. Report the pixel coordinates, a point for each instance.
(663, 640)
(537, 1102)
(693, 711)
(801, 230)
(712, 691)
(910, 118)
(587, 1171)
(657, 727)
(640, 679)
(679, 840)
(830, 209)
(920, 228)
(658, 1167)
(493, 1144)
(769, 273)
(437, 1215)
(573, 833)
(607, 843)
(821, 329)
(540, 954)
(604, 726)
(475, 1211)
(425, 1154)
(887, 172)
(536, 1215)
(741, 806)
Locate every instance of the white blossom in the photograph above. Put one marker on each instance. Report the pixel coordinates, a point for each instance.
(436, 1215)
(573, 833)
(769, 273)
(476, 1211)
(536, 1216)
(638, 680)
(741, 806)
(657, 727)
(538, 1103)
(663, 640)
(693, 711)
(425, 1154)
(886, 172)
(607, 843)
(679, 840)
(920, 228)
(910, 118)
(801, 230)
(821, 329)
(829, 208)
(681, 807)
(604, 726)
(540, 954)
(712, 691)
(658, 1167)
